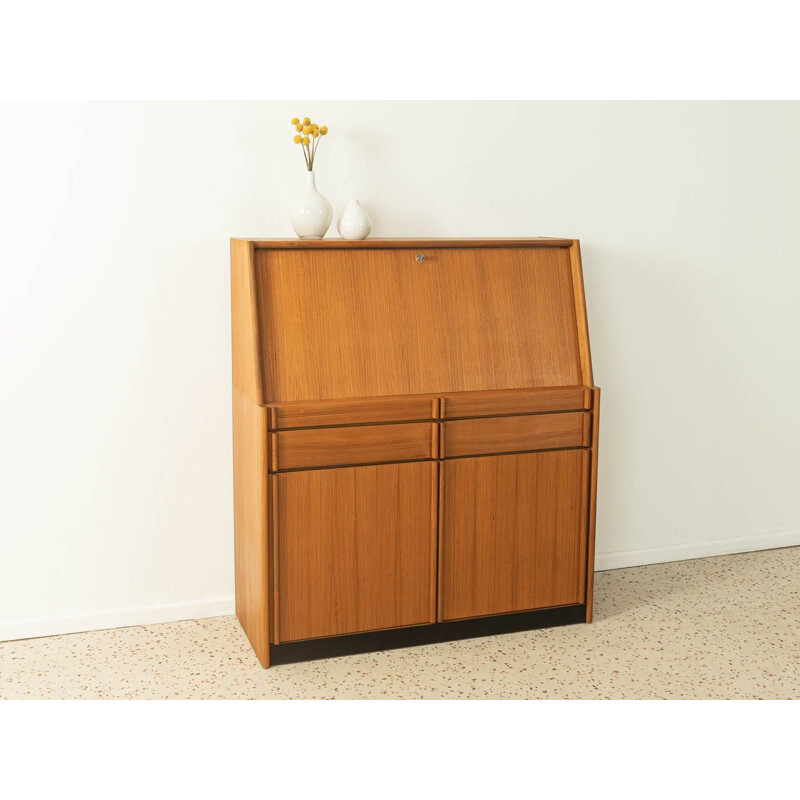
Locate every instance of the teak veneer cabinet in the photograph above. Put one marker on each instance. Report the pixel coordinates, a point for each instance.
(414, 441)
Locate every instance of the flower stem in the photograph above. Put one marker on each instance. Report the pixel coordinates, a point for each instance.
(314, 151)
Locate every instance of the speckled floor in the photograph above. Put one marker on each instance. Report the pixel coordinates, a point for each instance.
(725, 627)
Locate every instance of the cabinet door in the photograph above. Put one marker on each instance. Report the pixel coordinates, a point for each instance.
(513, 533)
(354, 549)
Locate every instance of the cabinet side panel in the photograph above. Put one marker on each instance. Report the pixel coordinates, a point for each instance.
(592, 503)
(245, 342)
(584, 350)
(250, 521)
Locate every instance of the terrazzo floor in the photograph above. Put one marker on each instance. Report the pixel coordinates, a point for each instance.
(724, 627)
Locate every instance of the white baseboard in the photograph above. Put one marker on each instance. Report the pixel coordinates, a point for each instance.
(217, 606)
(115, 618)
(689, 550)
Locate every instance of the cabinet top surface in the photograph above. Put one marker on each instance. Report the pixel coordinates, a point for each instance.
(367, 244)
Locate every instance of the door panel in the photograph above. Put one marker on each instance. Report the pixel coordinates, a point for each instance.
(355, 549)
(513, 533)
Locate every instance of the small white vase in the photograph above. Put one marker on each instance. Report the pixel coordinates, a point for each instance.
(355, 222)
(311, 213)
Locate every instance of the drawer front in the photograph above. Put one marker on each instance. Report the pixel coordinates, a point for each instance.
(353, 412)
(370, 444)
(515, 401)
(472, 437)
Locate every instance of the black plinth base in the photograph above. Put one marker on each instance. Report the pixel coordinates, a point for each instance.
(312, 649)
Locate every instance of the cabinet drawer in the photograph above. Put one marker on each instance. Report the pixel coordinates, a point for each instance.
(318, 413)
(369, 444)
(472, 437)
(515, 401)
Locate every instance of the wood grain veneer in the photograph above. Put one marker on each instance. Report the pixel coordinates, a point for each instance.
(470, 437)
(370, 444)
(510, 533)
(365, 323)
(514, 401)
(415, 440)
(383, 244)
(581, 320)
(246, 337)
(355, 549)
(353, 412)
(592, 511)
(250, 521)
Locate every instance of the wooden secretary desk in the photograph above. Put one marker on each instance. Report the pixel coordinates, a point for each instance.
(414, 441)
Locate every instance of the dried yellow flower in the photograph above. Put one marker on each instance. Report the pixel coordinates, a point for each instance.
(308, 133)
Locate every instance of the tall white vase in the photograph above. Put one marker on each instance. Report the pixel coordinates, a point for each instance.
(354, 222)
(311, 212)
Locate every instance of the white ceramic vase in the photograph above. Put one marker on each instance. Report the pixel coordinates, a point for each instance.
(355, 222)
(311, 212)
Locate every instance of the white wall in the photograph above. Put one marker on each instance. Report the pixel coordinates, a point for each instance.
(115, 444)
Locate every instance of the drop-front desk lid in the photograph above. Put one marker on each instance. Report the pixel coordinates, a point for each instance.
(333, 319)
